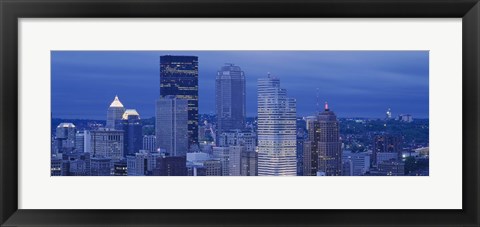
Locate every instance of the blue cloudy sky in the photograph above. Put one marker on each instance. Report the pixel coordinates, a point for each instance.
(355, 83)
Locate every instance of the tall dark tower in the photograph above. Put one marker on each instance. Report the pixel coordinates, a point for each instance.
(230, 98)
(329, 145)
(179, 78)
(131, 126)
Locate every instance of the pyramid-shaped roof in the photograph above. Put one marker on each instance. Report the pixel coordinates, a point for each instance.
(116, 102)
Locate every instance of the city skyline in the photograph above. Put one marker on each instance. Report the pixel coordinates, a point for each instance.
(391, 79)
(181, 142)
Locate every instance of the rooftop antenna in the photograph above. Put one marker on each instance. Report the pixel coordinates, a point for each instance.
(318, 100)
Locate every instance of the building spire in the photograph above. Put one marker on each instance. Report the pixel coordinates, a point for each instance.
(326, 106)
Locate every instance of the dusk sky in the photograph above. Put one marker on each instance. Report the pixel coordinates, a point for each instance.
(355, 83)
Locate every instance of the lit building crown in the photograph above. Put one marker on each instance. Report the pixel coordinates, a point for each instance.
(130, 112)
(66, 125)
(116, 102)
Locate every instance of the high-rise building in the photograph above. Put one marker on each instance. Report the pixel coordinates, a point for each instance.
(230, 98)
(65, 138)
(300, 158)
(277, 137)
(107, 143)
(179, 78)
(172, 125)
(131, 126)
(310, 147)
(114, 112)
(329, 145)
(386, 144)
(310, 165)
(150, 143)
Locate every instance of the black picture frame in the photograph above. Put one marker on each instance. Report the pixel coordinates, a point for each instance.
(12, 10)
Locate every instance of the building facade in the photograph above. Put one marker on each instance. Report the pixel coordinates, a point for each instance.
(230, 98)
(386, 144)
(249, 163)
(171, 128)
(142, 163)
(65, 138)
(276, 130)
(149, 143)
(247, 139)
(131, 126)
(357, 163)
(179, 78)
(107, 143)
(171, 166)
(222, 154)
(329, 145)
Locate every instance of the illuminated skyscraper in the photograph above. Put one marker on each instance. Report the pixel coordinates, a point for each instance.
(329, 145)
(277, 138)
(132, 128)
(230, 98)
(115, 112)
(171, 128)
(179, 78)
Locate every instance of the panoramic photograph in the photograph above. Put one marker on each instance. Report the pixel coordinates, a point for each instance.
(239, 113)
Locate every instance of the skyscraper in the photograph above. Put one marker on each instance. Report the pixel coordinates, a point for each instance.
(172, 125)
(230, 98)
(179, 78)
(277, 138)
(114, 112)
(131, 126)
(329, 145)
(310, 147)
